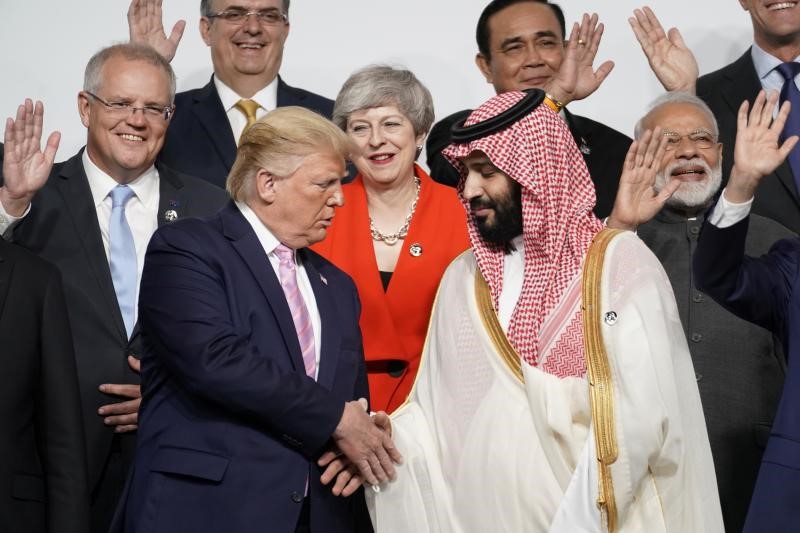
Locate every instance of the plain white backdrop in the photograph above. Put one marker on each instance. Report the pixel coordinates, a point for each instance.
(46, 44)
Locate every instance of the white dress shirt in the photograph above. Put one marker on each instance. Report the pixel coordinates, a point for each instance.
(266, 98)
(141, 211)
(513, 276)
(726, 214)
(269, 242)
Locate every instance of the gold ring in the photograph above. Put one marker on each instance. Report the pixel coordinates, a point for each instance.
(581, 42)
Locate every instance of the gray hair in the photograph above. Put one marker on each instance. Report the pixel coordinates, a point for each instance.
(93, 76)
(676, 97)
(381, 85)
(205, 8)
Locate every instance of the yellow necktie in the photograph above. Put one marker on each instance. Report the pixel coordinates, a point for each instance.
(249, 108)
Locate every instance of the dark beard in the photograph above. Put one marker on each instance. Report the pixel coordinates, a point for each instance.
(507, 220)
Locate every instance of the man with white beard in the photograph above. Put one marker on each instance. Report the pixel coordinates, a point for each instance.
(739, 366)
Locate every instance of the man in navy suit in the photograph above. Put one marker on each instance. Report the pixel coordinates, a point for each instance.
(68, 219)
(246, 49)
(253, 364)
(765, 291)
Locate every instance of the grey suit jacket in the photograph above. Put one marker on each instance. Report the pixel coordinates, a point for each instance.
(739, 366)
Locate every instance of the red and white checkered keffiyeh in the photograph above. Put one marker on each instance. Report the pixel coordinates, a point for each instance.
(539, 152)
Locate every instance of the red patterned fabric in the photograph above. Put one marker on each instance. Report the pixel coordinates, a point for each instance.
(539, 153)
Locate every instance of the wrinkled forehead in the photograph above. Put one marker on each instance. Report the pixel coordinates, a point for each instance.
(222, 5)
(679, 118)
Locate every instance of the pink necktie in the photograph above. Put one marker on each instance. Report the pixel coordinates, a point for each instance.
(302, 320)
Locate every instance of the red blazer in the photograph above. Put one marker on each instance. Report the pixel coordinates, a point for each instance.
(394, 323)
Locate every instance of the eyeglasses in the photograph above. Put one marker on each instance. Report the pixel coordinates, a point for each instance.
(123, 109)
(700, 138)
(267, 17)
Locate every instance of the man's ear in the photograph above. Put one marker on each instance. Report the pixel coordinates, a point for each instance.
(484, 66)
(205, 27)
(265, 185)
(83, 108)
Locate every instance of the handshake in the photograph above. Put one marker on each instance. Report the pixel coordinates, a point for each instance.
(362, 451)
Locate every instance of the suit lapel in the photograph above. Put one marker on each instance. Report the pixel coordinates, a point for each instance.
(331, 338)
(743, 84)
(73, 186)
(173, 202)
(288, 95)
(5, 277)
(208, 109)
(246, 243)
(577, 133)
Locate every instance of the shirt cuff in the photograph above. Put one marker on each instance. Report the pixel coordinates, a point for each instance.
(7, 222)
(725, 214)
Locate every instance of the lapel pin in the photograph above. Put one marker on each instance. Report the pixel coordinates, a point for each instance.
(321, 277)
(170, 215)
(585, 150)
(415, 249)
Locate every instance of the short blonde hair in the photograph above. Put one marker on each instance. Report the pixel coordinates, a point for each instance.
(279, 142)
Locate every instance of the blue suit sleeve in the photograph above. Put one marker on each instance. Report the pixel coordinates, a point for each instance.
(756, 289)
(188, 326)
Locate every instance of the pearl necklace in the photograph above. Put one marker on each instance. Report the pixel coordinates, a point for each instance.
(392, 238)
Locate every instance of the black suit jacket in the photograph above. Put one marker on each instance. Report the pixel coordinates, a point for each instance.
(199, 139)
(724, 91)
(62, 228)
(603, 149)
(43, 486)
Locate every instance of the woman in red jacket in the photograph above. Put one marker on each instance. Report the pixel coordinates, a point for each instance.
(398, 229)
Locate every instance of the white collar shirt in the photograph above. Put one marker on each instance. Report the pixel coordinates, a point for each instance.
(513, 276)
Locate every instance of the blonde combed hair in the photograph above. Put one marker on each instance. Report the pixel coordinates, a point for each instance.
(279, 141)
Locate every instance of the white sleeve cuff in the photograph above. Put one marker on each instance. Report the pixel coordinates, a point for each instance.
(8, 221)
(725, 214)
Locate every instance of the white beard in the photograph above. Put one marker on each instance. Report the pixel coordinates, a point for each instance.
(691, 193)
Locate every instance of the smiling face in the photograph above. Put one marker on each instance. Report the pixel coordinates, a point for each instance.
(775, 24)
(387, 144)
(298, 209)
(246, 55)
(696, 163)
(126, 145)
(526, 47)
(494, 199)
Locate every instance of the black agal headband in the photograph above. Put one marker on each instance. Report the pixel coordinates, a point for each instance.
(461, 134)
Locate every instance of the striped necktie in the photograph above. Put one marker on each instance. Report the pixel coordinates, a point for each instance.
(287, 271)
(789, 92)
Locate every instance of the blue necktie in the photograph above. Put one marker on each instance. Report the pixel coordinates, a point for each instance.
(792, 127)
(122, 255)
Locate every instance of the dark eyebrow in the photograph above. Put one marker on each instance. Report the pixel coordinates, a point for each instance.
(518, 39)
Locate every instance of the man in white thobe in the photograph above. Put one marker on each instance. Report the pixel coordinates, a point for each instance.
(556, 391)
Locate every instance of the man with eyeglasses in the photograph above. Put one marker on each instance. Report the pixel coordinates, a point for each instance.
(246, 39)
(739, 366)
(93, 217)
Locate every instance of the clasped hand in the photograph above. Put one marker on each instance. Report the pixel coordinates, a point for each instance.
(363, 451)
